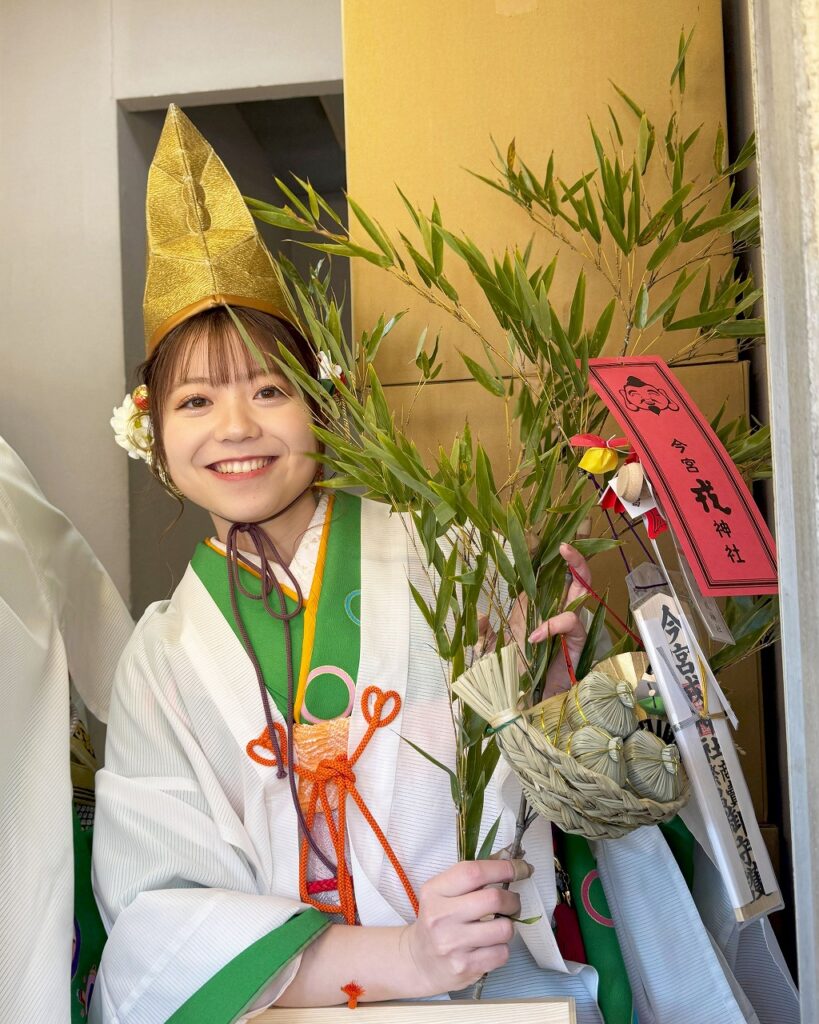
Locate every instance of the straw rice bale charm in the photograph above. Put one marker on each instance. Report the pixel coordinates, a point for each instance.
(598, 699)
(654, 768)
(601, 700)
(599, 751)
(556, 784)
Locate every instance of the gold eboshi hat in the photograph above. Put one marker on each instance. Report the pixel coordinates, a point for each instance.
(203, 246)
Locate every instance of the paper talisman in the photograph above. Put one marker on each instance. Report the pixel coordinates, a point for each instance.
(722, 534)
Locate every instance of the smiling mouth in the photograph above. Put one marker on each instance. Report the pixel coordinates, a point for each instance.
(241, 467)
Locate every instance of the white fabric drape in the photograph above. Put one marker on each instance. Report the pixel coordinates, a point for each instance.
(59, 614)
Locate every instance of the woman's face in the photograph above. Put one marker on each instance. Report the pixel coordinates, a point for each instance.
(240, 449)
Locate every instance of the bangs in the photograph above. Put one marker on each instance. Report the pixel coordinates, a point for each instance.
(219, 354)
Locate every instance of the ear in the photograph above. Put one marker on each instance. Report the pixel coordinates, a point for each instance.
(627, 402)
(672, 405)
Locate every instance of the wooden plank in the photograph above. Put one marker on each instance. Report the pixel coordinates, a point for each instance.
(485, 1011)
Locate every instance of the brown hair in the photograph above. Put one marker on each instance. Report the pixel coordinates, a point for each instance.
(229, 359)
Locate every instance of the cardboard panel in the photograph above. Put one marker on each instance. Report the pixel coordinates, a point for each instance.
(425, 93)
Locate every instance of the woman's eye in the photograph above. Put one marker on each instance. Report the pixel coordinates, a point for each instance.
(194, 402)
(270, 391)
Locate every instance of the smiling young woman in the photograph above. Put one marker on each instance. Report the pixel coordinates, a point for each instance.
(234, 439)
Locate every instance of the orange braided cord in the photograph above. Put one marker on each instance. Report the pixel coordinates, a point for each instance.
(266, 743)
(338, 771)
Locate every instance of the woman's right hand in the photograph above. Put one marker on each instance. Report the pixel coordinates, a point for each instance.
(454, 940)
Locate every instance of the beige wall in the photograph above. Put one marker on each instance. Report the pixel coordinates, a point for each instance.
(216, 52)
(63, 67)
(424, 94)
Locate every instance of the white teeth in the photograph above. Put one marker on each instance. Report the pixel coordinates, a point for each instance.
(242, 466)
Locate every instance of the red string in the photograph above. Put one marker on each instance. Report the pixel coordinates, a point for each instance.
(576, 575)
(569, 665)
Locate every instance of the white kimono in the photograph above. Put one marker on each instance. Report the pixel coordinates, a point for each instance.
(59, 614)
(196, 856)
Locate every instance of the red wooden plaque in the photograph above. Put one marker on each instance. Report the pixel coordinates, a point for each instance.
(703, 497)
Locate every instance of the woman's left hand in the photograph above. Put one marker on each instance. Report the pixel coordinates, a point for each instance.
(567, 624)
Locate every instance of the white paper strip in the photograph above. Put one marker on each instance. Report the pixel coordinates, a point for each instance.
(707, 748)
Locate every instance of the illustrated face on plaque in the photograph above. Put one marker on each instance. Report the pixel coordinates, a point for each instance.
(641, 397)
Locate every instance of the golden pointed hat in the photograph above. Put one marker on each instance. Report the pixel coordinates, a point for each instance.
(203, 246)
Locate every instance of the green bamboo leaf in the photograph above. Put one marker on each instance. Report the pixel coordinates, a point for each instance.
(250, 344)
(666, 247)
(595, 545)
(641, 308)
(679, 67)
(713, 316)
(616, 126)
(719, 151)
(349, 250)
(372, 229)
(601, 330)
(615, 229)
(727, 222)
(313, 195)
(493, 385)
(683, 281)
(638, 111)
(692, 138)
(642, 144)
(486, 846)
(595, 631)
(634, 208)
(567, 354)
(705, 297)
(577, 310)
(664, 214)
(422, 265)
(752, 328)
(294, 199)
(593, 221)
(410, 208)
(520, 554)
(280, 218)
(437, 241)
(746, 155)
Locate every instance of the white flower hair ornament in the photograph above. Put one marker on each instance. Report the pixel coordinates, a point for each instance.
(329, 372)
(131, 424)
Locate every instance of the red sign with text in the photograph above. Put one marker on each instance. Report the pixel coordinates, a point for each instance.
(703, 497)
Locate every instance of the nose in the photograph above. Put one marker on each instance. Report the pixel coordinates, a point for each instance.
(236, 421)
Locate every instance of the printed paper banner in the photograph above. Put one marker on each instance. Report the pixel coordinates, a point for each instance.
(704, 739)
(708, 505)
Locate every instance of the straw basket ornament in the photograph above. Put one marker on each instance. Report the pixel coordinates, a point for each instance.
(556, 785)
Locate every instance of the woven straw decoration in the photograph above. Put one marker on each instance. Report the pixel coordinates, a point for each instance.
(555, 783)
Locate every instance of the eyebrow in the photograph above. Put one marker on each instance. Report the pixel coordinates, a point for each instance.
(253, 375)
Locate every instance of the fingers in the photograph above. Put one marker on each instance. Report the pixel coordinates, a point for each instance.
(488, 959)
(566, 623)
(469, 875)
(487, 903)
(487, 933)
(487, 637)
(578, 563)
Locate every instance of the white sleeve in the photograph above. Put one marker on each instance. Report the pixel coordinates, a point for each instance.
(172, 862)
(93, 619)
